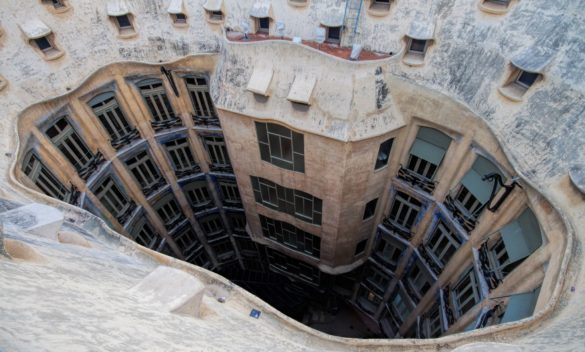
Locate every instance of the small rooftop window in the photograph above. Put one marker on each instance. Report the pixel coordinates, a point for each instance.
(298, 2)
(332, 21)
(42, 39)
(333, 35)
(177, 13)
(527, 68)
(57, 6)
(495, 6)
(121, 18)
(418, 39)
(261, 11)
(379, 7)
(214, 9)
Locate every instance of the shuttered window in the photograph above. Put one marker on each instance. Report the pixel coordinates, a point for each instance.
(106, 108)
(66, 139)
(200, 98)
(43, 178)
(427, 152)
(156, 99)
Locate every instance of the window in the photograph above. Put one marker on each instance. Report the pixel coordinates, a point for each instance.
(145, 172)
(284, 264)
(465, 293)
(290, 236)
(46, 46)
(442, 244)
(474, 192)
(179, 19)
(198, 195)
(518, 83)
(427, 152)
(370, 209)
(281, 146)
(218, 154)
(432, 325)
(181, 157)
(405, 210)
(521, 306)
(368, 300)
(124, 25)
(518, 240)
(114, 199)
(145, 235)
(333, 35)
(57, 4)
(495, 6)
(199, 257)
(384, 154)
(43, 178)
(223, 249)
(215, 16)
(263, 25)
(238, 222)
(419, 279)
(200, 98)
(380, 5)
(66, 139)
(159, 106)
(416, 49)
(389, 251)
(301, 205)
(106, 109)
(400, 306)
(212, 226)
(376, 279)
(230, 193)
(360, 247)
(186, 239)
(168, 210)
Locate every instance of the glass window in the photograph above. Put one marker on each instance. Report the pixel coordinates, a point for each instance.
(145, 172)
(281, 146)
(230, 193)
(145, 235)
(474, 192)
(217, 150)
(181, 157)
(168, 210)
(442, 244)
(106, 108)
(405, 210)
(198, 195)
(360, 247)
(417, 46)
(291, 236)
(44, 179)
(263, 24)
(427, 152)
(384, 154)
(466, 293)
(291, 201)
(370, 209)
(114, 199)
(159, 106)
(212, 226)
(66, 139)
(186, 239)
(200, 98)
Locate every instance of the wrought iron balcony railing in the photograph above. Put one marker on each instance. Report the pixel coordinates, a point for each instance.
(416, 180)
(426, 256)
(94, 164)
(124, 216)
(126, 139)
(166, 124)
(195, 169)
(389, 224)
(161, 182)
(221, 168)
(468, 221)
(206, 121)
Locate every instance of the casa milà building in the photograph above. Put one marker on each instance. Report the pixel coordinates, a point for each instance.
(292, 175)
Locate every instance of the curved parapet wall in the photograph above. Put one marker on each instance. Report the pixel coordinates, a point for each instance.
(416, 95)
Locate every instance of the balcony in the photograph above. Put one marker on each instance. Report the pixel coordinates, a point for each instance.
(468, 221)
(416, 180)
(86, 172)
(149, 190)
(445, 292)
(206, 121)
(126, 213)
(195, 169)
(400, 231)
(226, 169)
(166, 124)
(126, 139)
(428, 259)
(202, 206)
